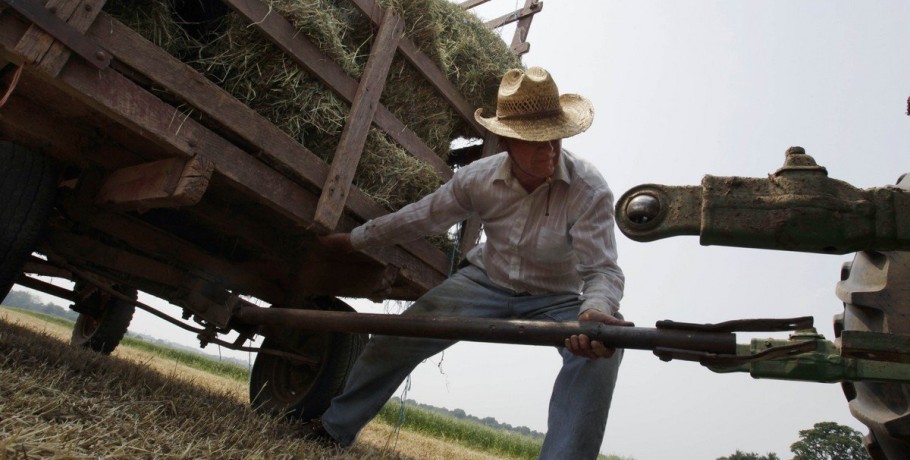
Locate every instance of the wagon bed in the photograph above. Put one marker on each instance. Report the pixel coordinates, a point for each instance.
(127, 170)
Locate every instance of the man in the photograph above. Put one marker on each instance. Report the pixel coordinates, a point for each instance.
(549, 254)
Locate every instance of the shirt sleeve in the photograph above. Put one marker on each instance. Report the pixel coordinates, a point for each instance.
(431, 215)
(594, 243)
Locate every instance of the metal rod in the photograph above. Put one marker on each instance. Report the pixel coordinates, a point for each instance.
(525, 332)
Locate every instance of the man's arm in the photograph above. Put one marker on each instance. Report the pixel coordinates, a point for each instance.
(431, 215)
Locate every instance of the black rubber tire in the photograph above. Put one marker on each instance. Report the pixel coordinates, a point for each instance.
(282, 387)
(28, 185)
(104, 321)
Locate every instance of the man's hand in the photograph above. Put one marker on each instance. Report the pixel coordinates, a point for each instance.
(581, 345)
(338, 242)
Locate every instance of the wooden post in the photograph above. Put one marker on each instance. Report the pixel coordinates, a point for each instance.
(353, 137)
(168, 183)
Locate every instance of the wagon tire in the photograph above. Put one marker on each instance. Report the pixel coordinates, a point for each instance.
(297, 389)
(28, 185)
(103, 321)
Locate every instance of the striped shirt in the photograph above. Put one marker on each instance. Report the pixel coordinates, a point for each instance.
(557, 239)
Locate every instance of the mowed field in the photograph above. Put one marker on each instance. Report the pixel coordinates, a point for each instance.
(60, 402)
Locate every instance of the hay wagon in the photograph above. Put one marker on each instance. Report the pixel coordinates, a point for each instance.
(126, 169)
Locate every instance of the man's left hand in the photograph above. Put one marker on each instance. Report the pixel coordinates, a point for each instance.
(581, 345)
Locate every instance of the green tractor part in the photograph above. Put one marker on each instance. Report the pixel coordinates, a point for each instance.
(799, 208)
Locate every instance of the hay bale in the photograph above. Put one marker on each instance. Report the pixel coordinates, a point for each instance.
(233, 55)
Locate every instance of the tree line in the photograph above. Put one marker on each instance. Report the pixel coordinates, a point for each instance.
(824, 441)
(29, 301)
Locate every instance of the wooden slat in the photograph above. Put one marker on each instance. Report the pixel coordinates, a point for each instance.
(150, 240)
(53, 22)
(472, 3)
(353, 137)
(514, 16)
(36, 41)
(520, 43)
(275, 147)
(81, 19)
(281, 33)
(426, 66)
(168, 183)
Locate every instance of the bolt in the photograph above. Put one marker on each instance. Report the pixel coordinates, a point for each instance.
(796, 151)
(643, 209)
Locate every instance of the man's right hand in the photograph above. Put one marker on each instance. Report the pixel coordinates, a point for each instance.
(338, 242)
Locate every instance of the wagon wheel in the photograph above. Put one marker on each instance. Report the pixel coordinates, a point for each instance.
(303, 388)
(28, 184)
(103, 320)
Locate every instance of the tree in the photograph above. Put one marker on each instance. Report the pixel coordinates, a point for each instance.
(740, 455)
(829, 441)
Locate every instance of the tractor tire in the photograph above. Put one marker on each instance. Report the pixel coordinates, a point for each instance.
(28, 186)
(875, 289)
(103, 321)
(302, 390)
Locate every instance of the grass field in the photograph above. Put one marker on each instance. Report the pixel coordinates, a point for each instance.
(151, 401)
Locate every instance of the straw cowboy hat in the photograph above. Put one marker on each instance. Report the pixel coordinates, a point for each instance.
(529, 107)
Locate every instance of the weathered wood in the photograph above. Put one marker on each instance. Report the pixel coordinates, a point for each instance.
(80, 250)
(159, 128)
(274, 146)
(426, 66)
(151, 240)
(281, 33)
(472, 3)
(520, 44)
(168, 183)
(35, 43)
(514, 16)
(53, 23)
(81, 19)
(354, 135)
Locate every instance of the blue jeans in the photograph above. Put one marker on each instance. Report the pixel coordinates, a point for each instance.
(581, 395)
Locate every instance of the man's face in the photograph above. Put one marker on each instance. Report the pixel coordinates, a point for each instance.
(535, 159)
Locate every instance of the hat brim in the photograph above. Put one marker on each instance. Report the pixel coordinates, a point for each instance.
(576, 117)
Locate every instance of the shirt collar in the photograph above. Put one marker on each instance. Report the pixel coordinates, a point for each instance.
(504, 172)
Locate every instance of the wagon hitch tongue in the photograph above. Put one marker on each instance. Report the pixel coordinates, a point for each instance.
(709, 344)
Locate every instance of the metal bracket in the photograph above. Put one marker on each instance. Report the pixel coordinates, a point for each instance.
(743, 325)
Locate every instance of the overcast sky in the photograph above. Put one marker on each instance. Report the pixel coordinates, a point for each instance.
(682, 89)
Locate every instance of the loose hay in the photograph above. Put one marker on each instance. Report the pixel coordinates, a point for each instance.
(233, 54)
(70, 403)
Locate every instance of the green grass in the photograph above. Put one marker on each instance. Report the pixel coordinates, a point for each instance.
(466, 433)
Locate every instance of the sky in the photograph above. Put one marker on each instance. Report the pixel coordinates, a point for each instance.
(682, 89)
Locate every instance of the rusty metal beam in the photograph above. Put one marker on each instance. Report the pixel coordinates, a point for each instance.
(525, 332)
